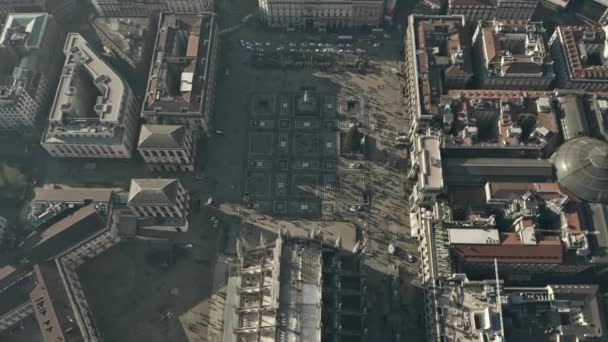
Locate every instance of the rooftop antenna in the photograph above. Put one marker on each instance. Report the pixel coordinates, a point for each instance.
(502, 329)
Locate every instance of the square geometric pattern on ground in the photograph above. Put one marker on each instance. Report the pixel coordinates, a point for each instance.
(263, 104)
(260, 143)
(292, 153)
(258, 185)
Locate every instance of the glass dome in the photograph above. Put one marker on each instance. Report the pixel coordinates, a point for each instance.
(581, 165)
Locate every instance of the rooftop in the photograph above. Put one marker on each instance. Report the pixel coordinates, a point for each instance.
(429, 155)
(153, 192)
(514, 49)
(442, 52)
(472, 311)
(467, 311)
(533, 222)
(24, 28)
(21, 40)
(68, 231)
(52, 306)
(72, 195)
(498, 118)
(162, 136)
(127, 34)
(584, 48)
(572, 312)
(180, 64)
(90, 98)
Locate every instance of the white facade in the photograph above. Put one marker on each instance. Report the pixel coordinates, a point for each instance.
(142, 8)
(321, 14)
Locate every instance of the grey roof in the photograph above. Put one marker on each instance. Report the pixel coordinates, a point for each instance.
(572, 116)
(596, 216)
(162, 136)
(481, 170)
(581, 165)
(72, 195)
(153, 192)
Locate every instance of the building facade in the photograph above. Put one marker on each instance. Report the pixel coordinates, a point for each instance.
(146, 8)
(167, 147)
(475, 10)
(321, 15)
(513, 55)
(30, 69)
(158, 198)
(181, 84)
(581, 57)
(94, 114)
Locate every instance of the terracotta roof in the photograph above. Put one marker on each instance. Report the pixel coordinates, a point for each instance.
(511, 250)
(52, 306)
(571, 37)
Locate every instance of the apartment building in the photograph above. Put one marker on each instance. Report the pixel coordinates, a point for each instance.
(475, 10)
(437, 57)
(321, 15)
(61, 10)
(30, 68)
(581, 57)
(158, 198)
(513, 55)
(147, 8)
(181, 84)
(167, 147)
(499, 124)
(94, 114)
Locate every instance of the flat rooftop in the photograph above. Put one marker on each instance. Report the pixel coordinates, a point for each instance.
(499, 118)
(180, 64)
(431, 170)
(90, 98)
(72, 195)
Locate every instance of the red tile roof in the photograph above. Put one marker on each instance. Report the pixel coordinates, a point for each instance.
(511, 250)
